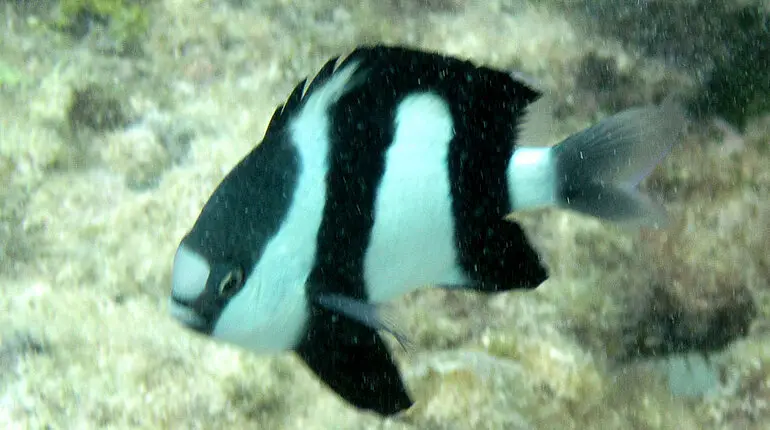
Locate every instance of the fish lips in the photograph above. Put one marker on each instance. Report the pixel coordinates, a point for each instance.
(184, 312)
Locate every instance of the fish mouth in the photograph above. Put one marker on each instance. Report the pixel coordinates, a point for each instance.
(183, 312)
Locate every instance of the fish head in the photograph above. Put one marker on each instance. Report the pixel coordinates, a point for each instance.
(201, 289)
(235, 274)
(262, 309)
(240, 274)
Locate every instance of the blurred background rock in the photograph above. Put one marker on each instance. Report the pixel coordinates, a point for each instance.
(118, 117)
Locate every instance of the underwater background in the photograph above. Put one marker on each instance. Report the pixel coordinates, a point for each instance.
(119, 117)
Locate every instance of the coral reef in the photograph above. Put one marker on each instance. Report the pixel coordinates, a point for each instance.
(106, 159)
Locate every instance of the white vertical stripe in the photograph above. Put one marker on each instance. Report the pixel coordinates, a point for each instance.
(532, 178)
(269, 314)
(412, 241)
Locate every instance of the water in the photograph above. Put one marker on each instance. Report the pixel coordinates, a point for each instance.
(114, 129)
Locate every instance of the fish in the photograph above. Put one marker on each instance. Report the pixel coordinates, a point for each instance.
(391, 170)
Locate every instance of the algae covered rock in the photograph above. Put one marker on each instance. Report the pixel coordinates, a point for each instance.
(86, 250)
(137, 154)
(738, 86)
(97, 108)
(722, 44)
(126, 21)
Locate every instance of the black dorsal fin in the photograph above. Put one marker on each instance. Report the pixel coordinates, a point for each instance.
(322, 76)
(295, 98)
(305, 88)
(278, 120)
(366, 58)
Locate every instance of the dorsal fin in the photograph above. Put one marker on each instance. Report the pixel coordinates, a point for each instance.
(322, 76)
(363, 57)
(305, 88)
(278, 120)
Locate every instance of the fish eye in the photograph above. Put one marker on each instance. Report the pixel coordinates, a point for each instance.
(231, 283)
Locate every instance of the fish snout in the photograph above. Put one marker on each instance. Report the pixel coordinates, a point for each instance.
(188, 284)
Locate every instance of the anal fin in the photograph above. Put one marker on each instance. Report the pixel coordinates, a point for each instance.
(353, 360)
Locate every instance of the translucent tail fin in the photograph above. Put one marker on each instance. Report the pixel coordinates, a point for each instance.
(598, 169)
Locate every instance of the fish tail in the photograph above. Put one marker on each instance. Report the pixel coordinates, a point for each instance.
(598, 169)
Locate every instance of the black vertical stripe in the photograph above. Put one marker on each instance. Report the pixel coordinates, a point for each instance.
(361, 130)
(485, 105)
(249, 205)
(494, 253)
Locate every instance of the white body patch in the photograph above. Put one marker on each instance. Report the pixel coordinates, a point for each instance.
(190, 274)
(412, 240)
(269, 314)
(532, 178)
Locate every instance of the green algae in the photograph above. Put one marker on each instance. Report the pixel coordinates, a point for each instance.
(127, 21)
(9, 75)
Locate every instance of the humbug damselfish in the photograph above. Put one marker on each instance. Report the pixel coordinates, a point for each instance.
(391, 170)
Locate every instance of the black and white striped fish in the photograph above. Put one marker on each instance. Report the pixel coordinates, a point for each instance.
(393, 169)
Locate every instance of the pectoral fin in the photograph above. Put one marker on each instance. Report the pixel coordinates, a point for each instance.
(352, 359)
(376, 317)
